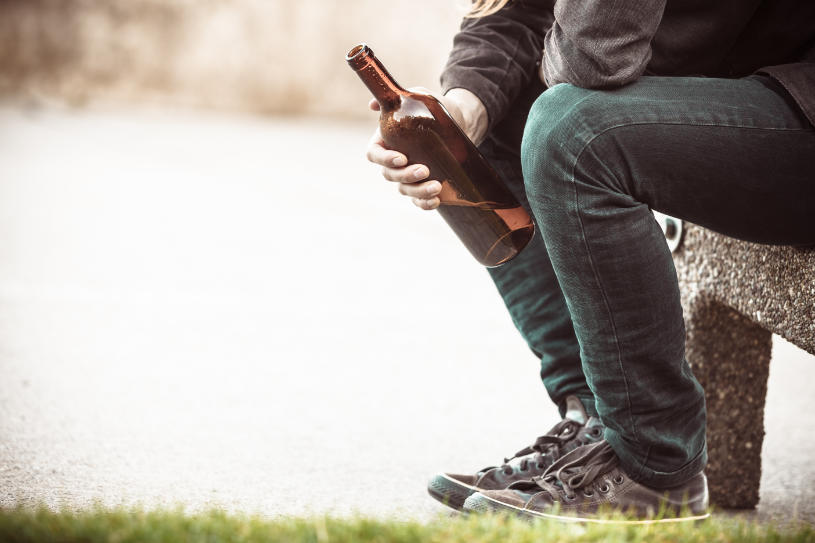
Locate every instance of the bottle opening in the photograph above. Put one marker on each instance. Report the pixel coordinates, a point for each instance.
(358, 55)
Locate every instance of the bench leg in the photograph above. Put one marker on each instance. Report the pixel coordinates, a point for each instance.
(730, 355)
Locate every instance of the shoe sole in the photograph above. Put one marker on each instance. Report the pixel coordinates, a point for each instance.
(479, 503)
(449, 491)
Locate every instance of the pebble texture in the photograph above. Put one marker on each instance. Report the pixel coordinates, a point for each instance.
(736, 295)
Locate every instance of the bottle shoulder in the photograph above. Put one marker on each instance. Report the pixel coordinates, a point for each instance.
(414, 105)
(416, 109)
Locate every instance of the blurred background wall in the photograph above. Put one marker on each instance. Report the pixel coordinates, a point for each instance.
(264, 56)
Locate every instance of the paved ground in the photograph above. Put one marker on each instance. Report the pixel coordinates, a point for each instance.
(218, 311)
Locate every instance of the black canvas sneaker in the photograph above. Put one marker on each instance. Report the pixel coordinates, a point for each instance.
(574, 430)
(588, 481)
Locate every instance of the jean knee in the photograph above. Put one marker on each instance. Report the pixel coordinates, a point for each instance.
(573, 132)
(555, 122)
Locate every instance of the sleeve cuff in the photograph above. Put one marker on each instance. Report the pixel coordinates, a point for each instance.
(487, 91)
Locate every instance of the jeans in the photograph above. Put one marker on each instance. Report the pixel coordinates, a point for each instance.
(596, 294)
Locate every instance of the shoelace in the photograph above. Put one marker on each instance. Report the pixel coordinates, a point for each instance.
(550, 443)
(573, 471)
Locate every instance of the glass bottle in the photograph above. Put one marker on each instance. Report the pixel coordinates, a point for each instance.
(475, 202)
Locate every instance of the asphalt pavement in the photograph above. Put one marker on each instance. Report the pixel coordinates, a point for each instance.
(219, 311)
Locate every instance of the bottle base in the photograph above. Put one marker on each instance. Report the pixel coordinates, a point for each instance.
(508, 246)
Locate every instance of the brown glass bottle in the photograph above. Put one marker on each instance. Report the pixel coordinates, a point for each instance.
(474, 200)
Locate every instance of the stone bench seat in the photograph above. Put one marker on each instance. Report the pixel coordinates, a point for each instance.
(735, 296)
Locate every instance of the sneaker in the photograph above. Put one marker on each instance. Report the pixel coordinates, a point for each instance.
(589, 480)
(574, 430)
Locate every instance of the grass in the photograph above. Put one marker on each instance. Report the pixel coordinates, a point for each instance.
(133, 525)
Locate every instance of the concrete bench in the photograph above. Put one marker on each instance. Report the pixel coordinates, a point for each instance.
(735, 296)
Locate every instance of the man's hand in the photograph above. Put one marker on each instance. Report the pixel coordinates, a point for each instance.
(471, 116)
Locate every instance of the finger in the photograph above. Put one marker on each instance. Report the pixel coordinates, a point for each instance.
(411, 174)
(432, 203)
(378, 154)
(425, 190)
(373, 104)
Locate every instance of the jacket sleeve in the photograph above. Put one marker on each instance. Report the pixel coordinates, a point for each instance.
(600, 43)
(496, 56)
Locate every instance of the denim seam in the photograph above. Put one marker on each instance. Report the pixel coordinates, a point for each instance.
(685, 123)
(605, 298)
(643, 462)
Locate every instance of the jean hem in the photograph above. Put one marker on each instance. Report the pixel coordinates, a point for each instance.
(651, 478)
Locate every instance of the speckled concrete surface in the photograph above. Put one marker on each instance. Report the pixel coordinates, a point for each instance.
(735, 295)
(772, 286)
(730, 356)
(204, 311)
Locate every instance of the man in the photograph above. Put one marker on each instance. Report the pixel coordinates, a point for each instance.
(701, 110)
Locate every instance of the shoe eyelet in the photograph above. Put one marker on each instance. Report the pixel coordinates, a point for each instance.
(596, 432)
(569, 498)
(618, 480)
(588, 493)
(605, 488)
(541, 465)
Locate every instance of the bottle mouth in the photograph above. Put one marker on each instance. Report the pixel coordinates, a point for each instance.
(357, 57)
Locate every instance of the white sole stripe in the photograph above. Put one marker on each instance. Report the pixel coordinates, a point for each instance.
(457, 482)
(593, 520)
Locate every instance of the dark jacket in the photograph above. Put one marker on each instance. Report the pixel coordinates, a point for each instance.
(605, 44)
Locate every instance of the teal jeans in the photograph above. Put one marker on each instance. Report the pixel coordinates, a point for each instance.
(596, 294)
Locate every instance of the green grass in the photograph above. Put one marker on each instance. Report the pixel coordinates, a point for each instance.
(129, 525)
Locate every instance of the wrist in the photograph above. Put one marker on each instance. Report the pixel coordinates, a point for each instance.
(473, 115)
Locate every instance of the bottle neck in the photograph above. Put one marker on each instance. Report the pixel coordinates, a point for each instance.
(381, 84)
